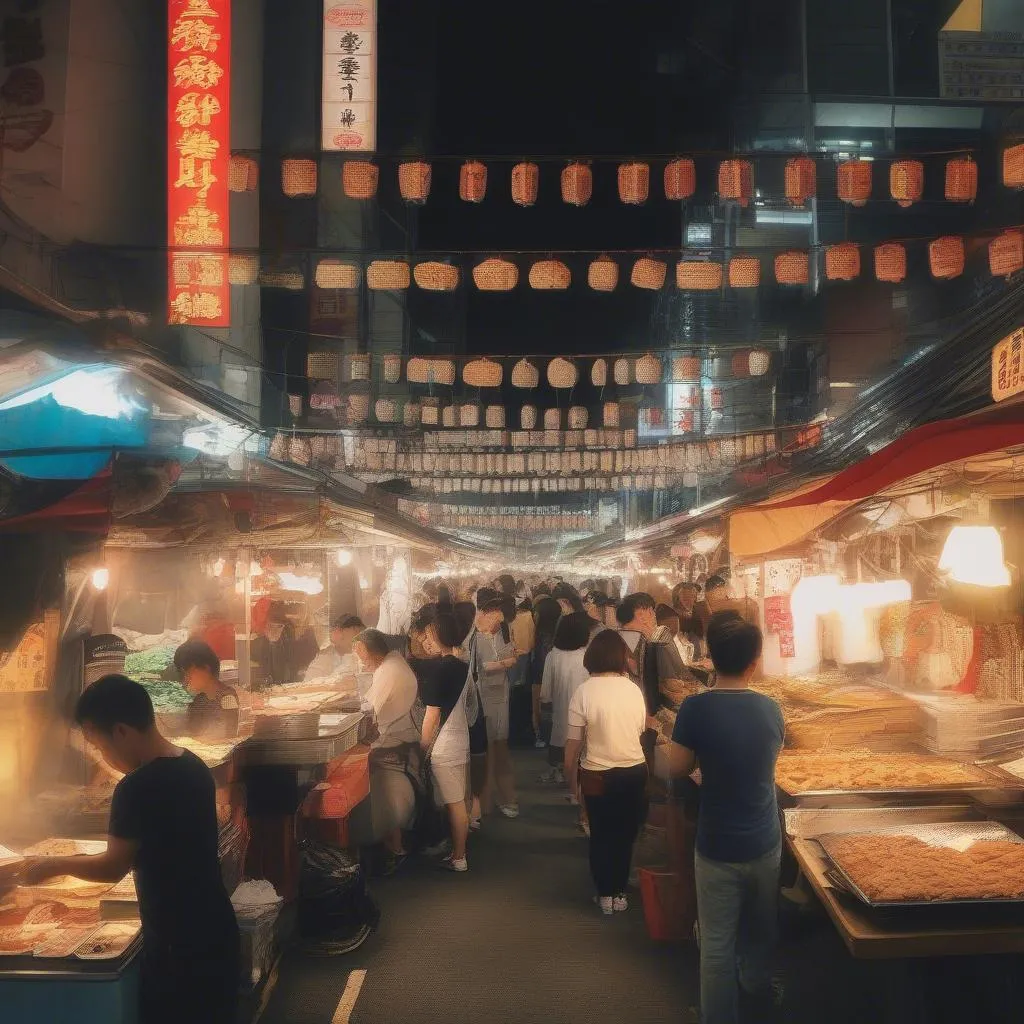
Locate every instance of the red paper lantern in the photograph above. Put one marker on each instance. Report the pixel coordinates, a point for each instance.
(634, 182)
(680, 179)
(853, 182)
(736, 180)
(744, 272)
(961, 180)
(891, 262)
(473, 181)
(792, 268)
(801, 180)
(842, 262)
(947, 257)
(1006, 254)
(906, 181)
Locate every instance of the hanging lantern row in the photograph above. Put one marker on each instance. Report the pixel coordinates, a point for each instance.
(383, 456)
(561, 373)
(562, 483)
(360, 179)
(842, 262)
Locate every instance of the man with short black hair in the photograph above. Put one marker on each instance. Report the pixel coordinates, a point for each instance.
(735, 735)
(333, 659)
(163, 824)
(716, 596)
(659, 667)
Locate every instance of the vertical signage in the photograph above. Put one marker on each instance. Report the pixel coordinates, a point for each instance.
(1008, 366)
(198, 151)
(349, 97)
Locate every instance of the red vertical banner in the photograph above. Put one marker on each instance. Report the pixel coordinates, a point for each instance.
(198, 152)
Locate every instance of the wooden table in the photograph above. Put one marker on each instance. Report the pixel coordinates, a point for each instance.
(914, 932)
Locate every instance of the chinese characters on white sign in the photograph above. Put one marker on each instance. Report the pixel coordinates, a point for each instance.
(349, 98)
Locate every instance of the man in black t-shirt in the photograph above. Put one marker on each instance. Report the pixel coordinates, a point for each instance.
(163, 824)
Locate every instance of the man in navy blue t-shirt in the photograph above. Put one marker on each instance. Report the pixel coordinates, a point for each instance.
(735, 735)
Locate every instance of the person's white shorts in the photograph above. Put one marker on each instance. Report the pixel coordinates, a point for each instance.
(451, 782)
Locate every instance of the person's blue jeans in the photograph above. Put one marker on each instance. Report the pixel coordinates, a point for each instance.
(737, 908)
(519, 674)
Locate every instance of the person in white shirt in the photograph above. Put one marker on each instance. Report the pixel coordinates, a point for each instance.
(563, 674)
(389, 700)
(607, 716)
(333, 659)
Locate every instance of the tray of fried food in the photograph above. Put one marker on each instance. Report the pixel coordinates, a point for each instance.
(929, 864)
(810, 773)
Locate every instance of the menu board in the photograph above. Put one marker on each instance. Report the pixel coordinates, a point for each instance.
(27, 668)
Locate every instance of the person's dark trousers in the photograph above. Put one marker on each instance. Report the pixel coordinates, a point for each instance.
(616, 802)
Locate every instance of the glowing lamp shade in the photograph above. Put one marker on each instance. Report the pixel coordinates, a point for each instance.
(344, 558)
(974, 554)
(100, 579)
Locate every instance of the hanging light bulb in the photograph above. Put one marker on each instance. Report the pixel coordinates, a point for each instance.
(100, 579)
(974, 554)
(344, 557)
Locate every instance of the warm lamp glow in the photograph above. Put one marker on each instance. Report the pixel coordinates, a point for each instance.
(344, 558)
(100, 579)
(974, 554)
(300, 584)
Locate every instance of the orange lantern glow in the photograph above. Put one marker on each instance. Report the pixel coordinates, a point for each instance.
(801, 180)
(853, 182)
(472, 181)
(698, 276)
(525, 184)
(906, 181)
(577, 184)
(1006, 254)
(603, 274)
(961, 180)
(744, 272)
(842, 262)
(414, 178)
(649, 273)
(891, 262)
(736, 180)
(243, 174)
(359, 179)
(947, 257)
(634, 182)
(680, 179)
(1013, 166)
(792, 268)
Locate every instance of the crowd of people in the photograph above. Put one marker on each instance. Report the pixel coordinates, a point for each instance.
(621, 693)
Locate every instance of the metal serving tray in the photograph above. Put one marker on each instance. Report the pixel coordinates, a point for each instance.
(993, 779)
(938, 833)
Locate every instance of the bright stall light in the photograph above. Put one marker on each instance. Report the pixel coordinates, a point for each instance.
(344, 557)
(301, 584)
(100, 579)
(974, 554)
(216, 438)
(364, 583)
(92, 390)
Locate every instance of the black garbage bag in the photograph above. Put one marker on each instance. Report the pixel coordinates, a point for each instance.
(336, 912)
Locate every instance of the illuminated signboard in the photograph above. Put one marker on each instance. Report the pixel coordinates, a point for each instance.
(349, 98)
(198, 151)
(1007, 371)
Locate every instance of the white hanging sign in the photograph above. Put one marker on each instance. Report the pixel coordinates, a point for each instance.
(349, 96)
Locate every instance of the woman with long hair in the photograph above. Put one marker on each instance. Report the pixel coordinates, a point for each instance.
(607, 716)
(546, 613)
(563, 674)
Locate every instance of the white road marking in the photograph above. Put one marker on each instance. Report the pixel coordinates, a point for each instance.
(347, 1003)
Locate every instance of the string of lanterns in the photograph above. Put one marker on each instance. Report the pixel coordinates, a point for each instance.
(694, 272)
(360, 179)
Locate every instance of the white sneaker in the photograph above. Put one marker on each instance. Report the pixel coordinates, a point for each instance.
(605, 905)
(510, 810)
(620, 903)
(458, 866)
(539, 745)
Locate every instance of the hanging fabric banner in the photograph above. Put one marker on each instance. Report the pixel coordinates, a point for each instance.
(198, 152)
(349, 97)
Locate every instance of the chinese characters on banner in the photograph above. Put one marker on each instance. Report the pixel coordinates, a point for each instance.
(349, 100)
(1007, 371)
(198, 151)
(778, 621)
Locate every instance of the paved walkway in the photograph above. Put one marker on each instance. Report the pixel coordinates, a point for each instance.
(514, 939)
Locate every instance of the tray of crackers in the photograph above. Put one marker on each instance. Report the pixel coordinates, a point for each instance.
(929, 864)
(807, 773)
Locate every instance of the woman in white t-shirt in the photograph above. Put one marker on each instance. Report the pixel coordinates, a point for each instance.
(563, 674)
(607, 715)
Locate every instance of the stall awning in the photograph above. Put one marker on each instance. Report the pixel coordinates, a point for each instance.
(785, 521)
